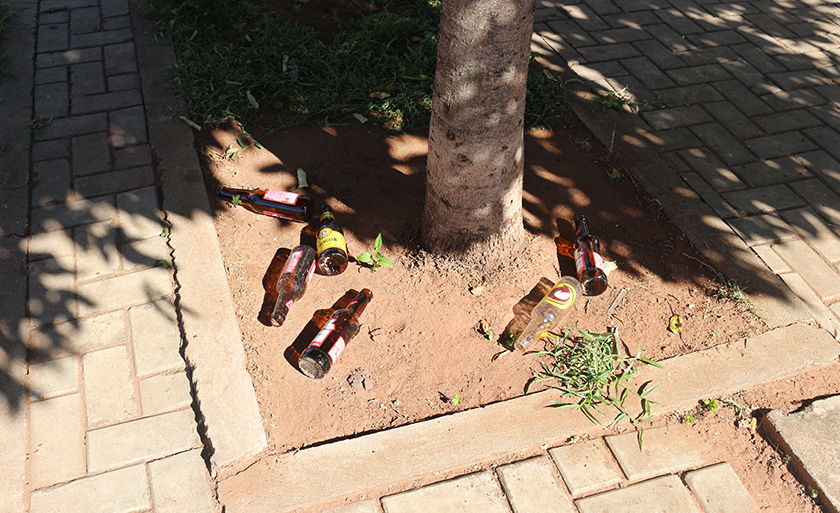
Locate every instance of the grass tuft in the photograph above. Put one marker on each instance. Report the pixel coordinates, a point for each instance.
(590, 372)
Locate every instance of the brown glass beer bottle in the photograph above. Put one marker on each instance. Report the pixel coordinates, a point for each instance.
(271, 202)
(324, 350)
(293, 281)
(331, 245)
(588, 261)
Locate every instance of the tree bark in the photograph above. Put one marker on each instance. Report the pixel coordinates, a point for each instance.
(476, 155)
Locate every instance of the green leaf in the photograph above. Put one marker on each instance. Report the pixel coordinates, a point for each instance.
(366, 258)
(383, 261)
(377, 244)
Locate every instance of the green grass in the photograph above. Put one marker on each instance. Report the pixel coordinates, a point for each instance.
(589, 371)
(380, 65)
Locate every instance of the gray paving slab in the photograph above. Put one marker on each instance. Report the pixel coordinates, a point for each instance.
(661, 495)
(718, 490)
(810, 437)
(473, 492)
(586, 467)
(663, 450)
(532, 485)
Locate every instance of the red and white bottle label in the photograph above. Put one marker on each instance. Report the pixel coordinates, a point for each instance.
(322, 335)
(562, 296)
(292, 261)
(598, 260)
(285, 197)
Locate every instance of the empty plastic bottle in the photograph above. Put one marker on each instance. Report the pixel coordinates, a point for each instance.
(549, 311)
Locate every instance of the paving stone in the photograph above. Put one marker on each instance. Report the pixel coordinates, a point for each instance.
(746, 101)
(116, 22)
(124, 82)
(821, 198)
(826, 138)
(48, 60)
(121, 491)
(698, 74)
(665, 450)
(87, 79)
(50, 150)
(810, 434)
(676, 117)
(52, 37)
(659, 54)
(718, 490)
(84, 20)
(161, 393)
(638, 19)
(762, 229)
(180, 484)
(50, 18)
(51, 101)
(826, 114)
(679, 22)
(96, 254)
(50, 75)
(51, 182)
(820, 276)
(51, 298)
(127, 127)
(110, 396)
(112, 182)
(751, 78)
(51, 245)
(586, 467)
(815, 231)
(771, 259)
(780, 145)
(706, 164)
(128, 289)
(789, 100)
(763, 199)
(770, 172)
(143, 439)
(73, 126)
(91, 154)
(663, 494)
(144, 253)
(101, 38)
(690, 95)
(358, 507)
(643, 69)
(120, 59)
(718, 38)
(730, 117)
(532, 485)
(139, 213)
(106, 102)
(54, 377)
(617, 51)
(132, 156)
(672, 140)
(80, 336)
(584, 16)
(723, 144)
(473, 492)
(56, 436)
(156, 340)
(115, 8)
(709, 195)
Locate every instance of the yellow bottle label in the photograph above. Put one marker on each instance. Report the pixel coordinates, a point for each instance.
(327, 216)
(562, 296)
(328, 238)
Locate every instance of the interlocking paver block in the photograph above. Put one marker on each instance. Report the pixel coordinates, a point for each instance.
(827, 138)
(771, 259)
(770, 172)
(121, 491)
(84, 20)
(659, 54)
(124, 82)
(676, 117)
(101, 38)
(52, 37)
(709, 196)
(718, 490)
(70, 127)
(180, 484)
(358, 507)
(723, 143)
(47, 60)
(102, 184)
(747, 101)
(789, 100)
(821, 199)
(698, 74)
(51, 298)
(643, 69)
(54, 377)
(139, 213)
(91, 152)
(51, 245)
(50, 150)
(763, 199)
(733, 119)
(96, 251)
(124, 290)
(762, 229)
(672, 140)
(148, 438)
(773, 146)
(87, 78)
(665, 450)
(80, 336)
(663, 494)
(532, 485)
(115, 8)
(120, 59)
(50, 75)
(616, 51)
(155, 337)
(712, 169)
(164, 392)
(56, 433)
(144, 253)
(815, 231)
(52, 182)
(106, 102)
(127, 127)
(110, 396)
(473, 492)
(586, 467)
(820, 276)
(51, 101)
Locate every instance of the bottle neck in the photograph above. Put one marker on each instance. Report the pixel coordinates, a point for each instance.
(582, 226)
(358, 304)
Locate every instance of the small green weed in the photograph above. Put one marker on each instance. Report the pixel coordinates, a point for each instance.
(457, 399)
(165, 263)
(734, 292)
(234, 154)
(689, 419)
(711, 404)
(374, 258)
(590, 371)
(165, 233)
(36, 125)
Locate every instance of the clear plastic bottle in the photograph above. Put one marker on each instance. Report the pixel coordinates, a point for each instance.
(550, 311)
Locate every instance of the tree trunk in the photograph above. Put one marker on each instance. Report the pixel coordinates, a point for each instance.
(476, 155)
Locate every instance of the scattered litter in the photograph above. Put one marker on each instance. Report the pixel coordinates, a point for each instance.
(675, 324)
(252, 100)
(301, 176)
(616, 301)
(379, 95)
(189, 122)
(361, 118)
